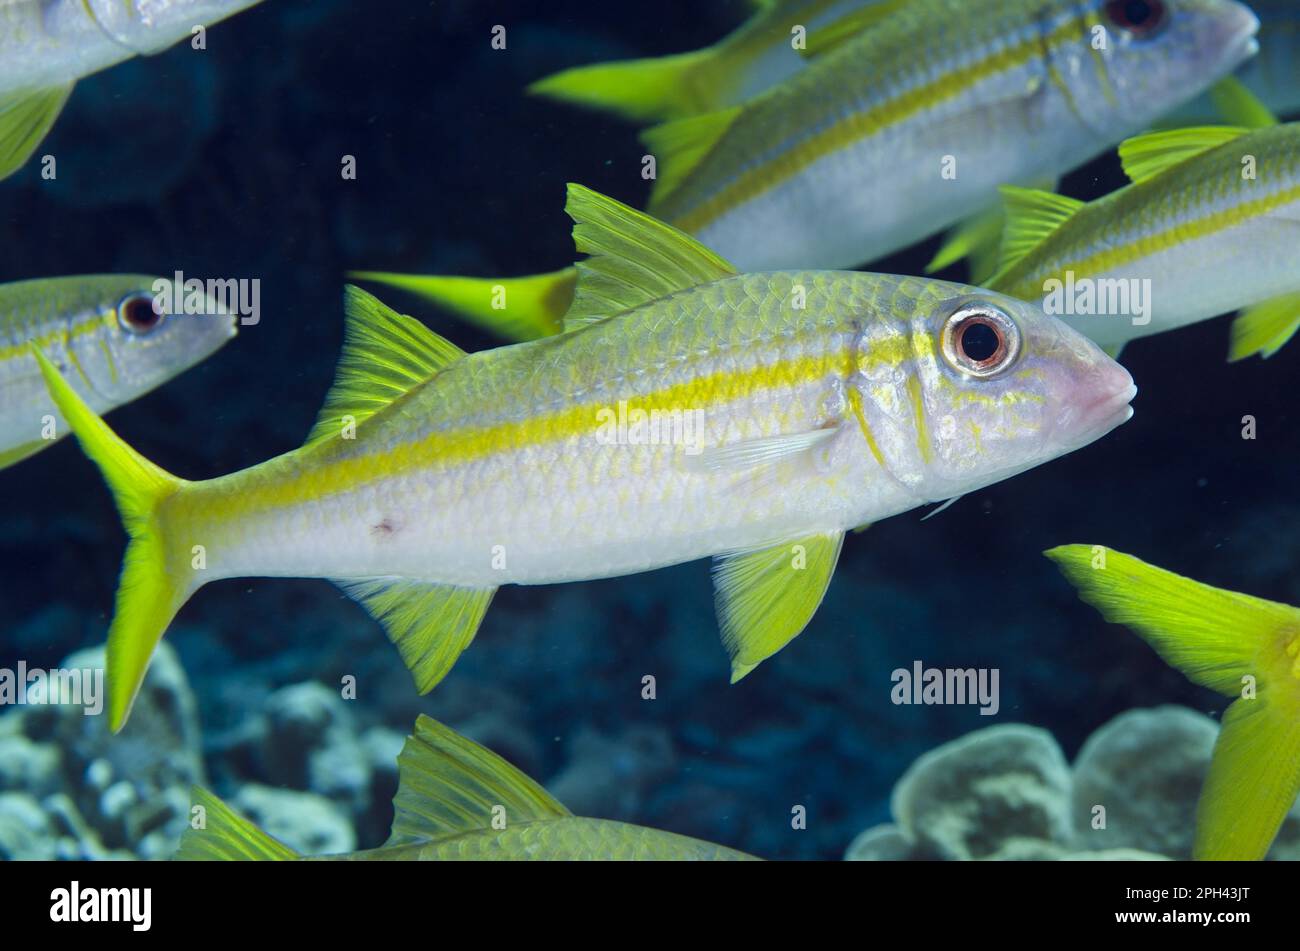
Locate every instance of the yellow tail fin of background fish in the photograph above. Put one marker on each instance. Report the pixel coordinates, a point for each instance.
(1240, 646)
(513, 308)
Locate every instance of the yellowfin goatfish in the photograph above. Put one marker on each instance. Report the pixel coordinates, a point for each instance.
(1240, 646)
(688, 410)
(457, 801)
(47, 45)
(108, 333)
(904, 128)
(1208, 226)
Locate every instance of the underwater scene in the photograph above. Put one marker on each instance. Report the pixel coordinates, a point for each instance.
(779, 429)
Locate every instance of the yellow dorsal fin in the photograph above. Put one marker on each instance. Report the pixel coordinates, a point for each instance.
(823, 39)
(765, 598)
(679, 146)
(1031, 215)
(1146, 156)
(634, 258)
(448, 785)
(385, 355)
(1239, 106)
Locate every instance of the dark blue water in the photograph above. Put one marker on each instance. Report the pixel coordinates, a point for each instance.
(227, 163)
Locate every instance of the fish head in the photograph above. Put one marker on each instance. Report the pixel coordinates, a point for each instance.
(988, 387)
(142, 343)
(1146, 57)
(147, 26)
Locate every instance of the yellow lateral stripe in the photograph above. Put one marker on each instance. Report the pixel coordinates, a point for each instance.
(440, 451)
(861, 125)
(1179, 232)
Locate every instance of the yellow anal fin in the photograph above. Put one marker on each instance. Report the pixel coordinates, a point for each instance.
(679, 146)
(1264, 328)
(634, 258)
(385, 355)
(430, 624)
(1239, 106)
(1241, 646)
(449, 785)
(25, 119)
(216, 833)
(765, 598)
(1146, 156)
(832, 36)
(516, 308)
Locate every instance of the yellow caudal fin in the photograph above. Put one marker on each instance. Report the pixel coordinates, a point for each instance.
(1241, 646)
(156, 580)
(217, 833)
(644, 90)
(515, 308)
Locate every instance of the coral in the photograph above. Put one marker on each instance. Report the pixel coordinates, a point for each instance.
(104, 796)
(964, 799)
(1144, 769)
(1006, 793)
(307, 822)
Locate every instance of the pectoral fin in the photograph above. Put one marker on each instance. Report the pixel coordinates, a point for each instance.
(25, 120)
(748, 454)
(766, 597)
(430, 624)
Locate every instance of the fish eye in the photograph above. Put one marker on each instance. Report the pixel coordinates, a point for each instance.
(980, 340)
(1141, 19)
(138, 314)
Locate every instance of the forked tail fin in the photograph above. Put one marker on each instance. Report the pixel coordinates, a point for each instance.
(1238, 645)
(155, 580)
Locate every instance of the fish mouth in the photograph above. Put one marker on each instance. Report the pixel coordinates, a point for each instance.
(1242, 36)
(1100, 417)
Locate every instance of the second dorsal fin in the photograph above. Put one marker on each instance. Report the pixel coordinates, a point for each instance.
(634, 258)
(1146, 156)
(385, 355)
(1031, 215)
(448, 785)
